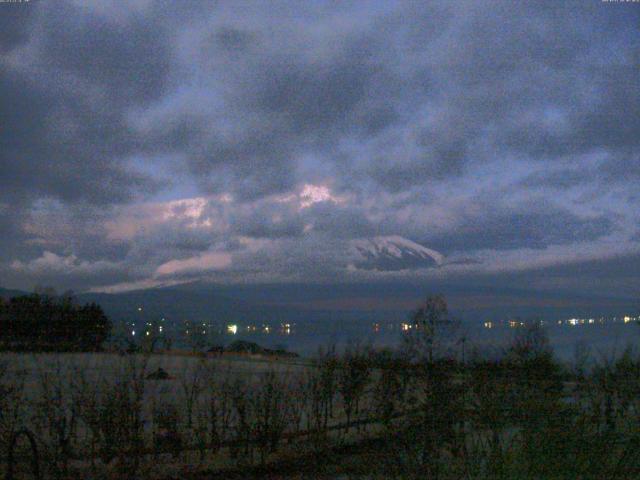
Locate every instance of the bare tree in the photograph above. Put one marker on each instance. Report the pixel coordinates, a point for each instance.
(270, 405)
(389, 391)
(192, 383)
(327, 364)
(111, 408)
(241, 448)
(11, 404)
(219, 399)
(353, 376)
(299, 399)
(167, 436)
(55, 415)
(431, 324)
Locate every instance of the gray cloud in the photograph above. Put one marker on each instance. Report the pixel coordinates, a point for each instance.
(340, 222)
(128, 60)
(64, 101)
(506, 230)
(431, 121)
(559, 179)
(14, 25)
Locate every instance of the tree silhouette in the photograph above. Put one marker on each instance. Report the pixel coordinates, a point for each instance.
(41, 322)
(429, 321)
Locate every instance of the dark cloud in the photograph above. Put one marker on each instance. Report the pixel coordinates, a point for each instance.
(339, 222)
(616, 277)
(232, 40)
(64, 106)
(559, 179)
(166, 244)
(12, 238)
(621, 167)
(485, 127)
(62, 138)
(314, 98)
(507, 230)
(420, 102)
(267, 223)
(14, 23)
(128, 59)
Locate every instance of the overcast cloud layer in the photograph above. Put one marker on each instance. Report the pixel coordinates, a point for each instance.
(157, 142)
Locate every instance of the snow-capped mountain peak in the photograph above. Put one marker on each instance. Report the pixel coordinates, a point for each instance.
(394, 253)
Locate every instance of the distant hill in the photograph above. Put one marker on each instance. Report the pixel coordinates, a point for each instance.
(298, 302)
(389, 300)
(175, 305)
(394, 300)
(8, 293)
(210, 303)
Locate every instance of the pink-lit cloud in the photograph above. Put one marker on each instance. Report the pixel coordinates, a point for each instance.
(206, 262)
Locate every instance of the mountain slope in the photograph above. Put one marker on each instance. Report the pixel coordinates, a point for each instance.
(7, 293)
(392, 253)
(178, 305)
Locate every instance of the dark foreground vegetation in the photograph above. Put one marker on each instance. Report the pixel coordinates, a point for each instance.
(51, 323)
(419, 412)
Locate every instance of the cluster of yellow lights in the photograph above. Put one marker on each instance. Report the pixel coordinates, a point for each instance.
(233, 328)
(571, 321)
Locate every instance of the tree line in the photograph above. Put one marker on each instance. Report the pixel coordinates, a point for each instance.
(45, 322)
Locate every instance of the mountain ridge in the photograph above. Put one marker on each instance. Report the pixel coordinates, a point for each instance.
(393, 253)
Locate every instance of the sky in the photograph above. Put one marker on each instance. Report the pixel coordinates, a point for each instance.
(149, 143)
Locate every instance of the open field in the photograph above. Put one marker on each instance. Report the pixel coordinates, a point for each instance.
(364, 414)
(89, 412)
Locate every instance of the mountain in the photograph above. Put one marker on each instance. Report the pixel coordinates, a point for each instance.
(477, 299)
(178, 305)
(393, 253)
(7, 293)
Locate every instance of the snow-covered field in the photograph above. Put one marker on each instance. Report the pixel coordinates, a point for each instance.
(71, 372)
